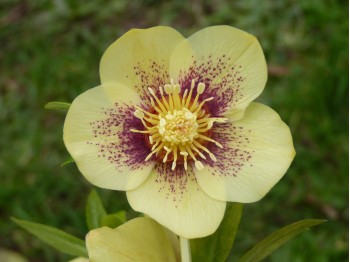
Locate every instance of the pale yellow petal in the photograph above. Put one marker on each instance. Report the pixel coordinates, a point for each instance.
(257, 151)
(174, 199)
(11, 256)
(140, 58)
(140, 239)
(79, 259)
(98, 137)
(229, 61)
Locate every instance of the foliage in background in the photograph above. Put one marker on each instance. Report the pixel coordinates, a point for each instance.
(51, 50)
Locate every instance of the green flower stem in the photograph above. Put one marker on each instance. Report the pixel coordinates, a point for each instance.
(185, 250)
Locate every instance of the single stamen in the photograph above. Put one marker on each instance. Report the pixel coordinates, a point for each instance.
(157, 100)
(175, 158)
(200, 90)
(147, 113)
(190, 94)
(215, 119)
(150, 120)
(189, 151)
(210, 140)
(176, 92)
(166, 104)
(154, 106)
(207, 127)
(140, 131)
(199, 152)
(161, 91)
(168, 151)
(184, 98)
(205, 150)
(199, 165)
(155, 145)
(154, 151)
(144, 124)
(203, 102)
(185, 155)
(185, 162)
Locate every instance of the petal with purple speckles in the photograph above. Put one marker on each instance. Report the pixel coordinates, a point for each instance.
(140, 58)
(229, 61)
(257, 151)
(97, 135)
(175, 200)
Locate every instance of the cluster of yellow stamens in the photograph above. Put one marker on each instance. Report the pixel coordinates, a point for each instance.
(177, 126)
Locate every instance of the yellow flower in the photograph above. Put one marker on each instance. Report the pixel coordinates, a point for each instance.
(140, 239)
(174, 125)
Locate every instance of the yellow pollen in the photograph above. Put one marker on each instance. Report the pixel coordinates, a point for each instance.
(178, 126)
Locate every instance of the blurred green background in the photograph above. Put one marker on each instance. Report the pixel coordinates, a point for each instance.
(50, 51)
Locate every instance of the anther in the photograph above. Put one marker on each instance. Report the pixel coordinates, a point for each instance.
(139, 114)
(199, 165)
(151, 91)
(176, 89)
(168, 89)
(218, 144)
(173, 166)
(212, 157)
(200, 88)
(161, 91)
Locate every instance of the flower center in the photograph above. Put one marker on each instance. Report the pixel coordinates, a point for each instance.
(177, 126)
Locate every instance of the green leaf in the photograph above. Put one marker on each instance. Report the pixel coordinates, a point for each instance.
(54, 237)
(278, 239)
(114, 220)
(68, 161)
(216, 247)
(61, 106)
(94, 211)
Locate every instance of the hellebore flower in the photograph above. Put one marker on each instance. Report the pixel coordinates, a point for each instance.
(174, 125)
(140, 239)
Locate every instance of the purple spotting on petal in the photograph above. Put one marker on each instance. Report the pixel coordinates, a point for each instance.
(151, 74)
(222, 78)
(116, 143)
(235, 154)
(174, 182)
